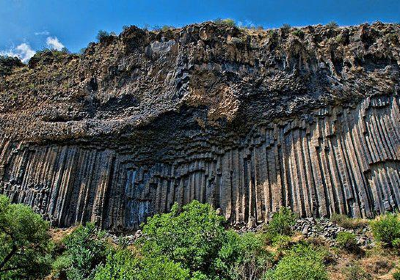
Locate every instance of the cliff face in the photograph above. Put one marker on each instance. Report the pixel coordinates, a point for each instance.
(247, 120)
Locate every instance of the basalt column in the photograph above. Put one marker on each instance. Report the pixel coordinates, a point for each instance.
(334, 160)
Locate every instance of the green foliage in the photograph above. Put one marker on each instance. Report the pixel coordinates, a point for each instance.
(85, 249)
(332, 25)
(8, 63)
(25, 245)
(386, 228)
(160, 267)
(340, 39)
(396, 275)
(347, 222)
(122, 264)
(286, 28)
(227, 22)
(281, 242)
(396, 243)
(302, 263)
(299, 33)
(241, 256)
(354, 271)
(103, 35)
(346, 240)
(166, 28)
(281, 223)
(196, 238)
(192, 237)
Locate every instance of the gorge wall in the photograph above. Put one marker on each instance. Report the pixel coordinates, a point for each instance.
(247, 120)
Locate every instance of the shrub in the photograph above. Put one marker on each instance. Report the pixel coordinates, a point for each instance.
(286, 28)
(332, 25)
(193, 236)
(354, 271)
(8, 63)
(122, 264)
(396, 275)
(196, 239)
(86, 248)
(386, 228)
(348, 223)
(102, 35)
(396, 243)
(241, 256)
(165, 28)
(281, 242)
(340, 39)
(227, 21)
(302, 263)
(25, 246)
(346, 240)
(281, 223)
(299, 33)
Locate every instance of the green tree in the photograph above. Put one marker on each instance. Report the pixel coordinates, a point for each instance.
(102, 35)
(25, 246)
(196, 238)
(192, 236)
(8, 63)
(86, 248)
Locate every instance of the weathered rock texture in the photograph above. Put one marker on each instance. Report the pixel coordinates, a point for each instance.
(247, 120)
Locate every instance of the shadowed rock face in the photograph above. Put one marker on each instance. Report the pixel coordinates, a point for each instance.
(247, 120)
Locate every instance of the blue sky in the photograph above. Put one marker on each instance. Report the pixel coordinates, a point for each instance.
(29, 25)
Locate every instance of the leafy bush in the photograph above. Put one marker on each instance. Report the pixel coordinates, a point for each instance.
(165, 28)
(299, 33)
(8, 63)
(302, 263)
(281, 242)
(396, 243)
(332, 25)
(346, 240)
(281, 223)
(396, 275)
(241, 256)
(122, 264)
(227, 21)
(86, 248)
(347, 222)
(25, 246)
(386, 228)
(196, 238)
(192, 237)
(103, 36)
(286, 28)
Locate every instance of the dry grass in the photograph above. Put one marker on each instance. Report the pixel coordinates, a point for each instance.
(348, 223)
(58, 234)
(377, 263)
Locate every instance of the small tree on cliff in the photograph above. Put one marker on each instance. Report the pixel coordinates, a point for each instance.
(25, 245)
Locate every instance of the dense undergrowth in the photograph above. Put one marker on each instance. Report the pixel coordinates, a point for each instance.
(192, 242)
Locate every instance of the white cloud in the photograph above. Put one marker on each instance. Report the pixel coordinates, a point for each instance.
(23, 52)
(54, 43)
(42, 33)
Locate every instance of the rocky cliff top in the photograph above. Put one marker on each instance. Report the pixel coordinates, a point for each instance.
(202, 77)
